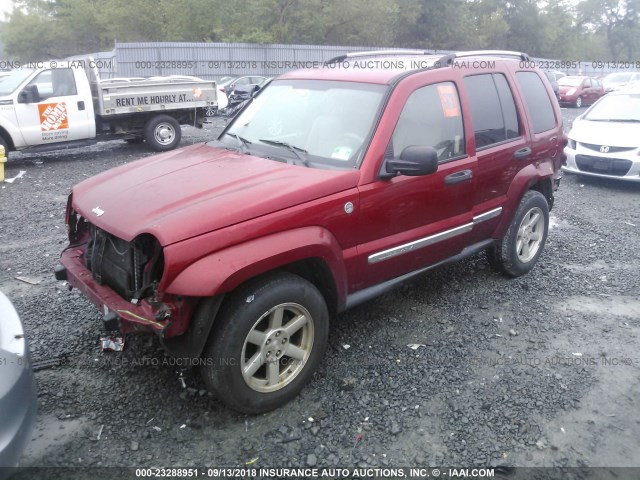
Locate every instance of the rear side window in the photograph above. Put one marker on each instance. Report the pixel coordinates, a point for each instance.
(538, 101)
(493, 110)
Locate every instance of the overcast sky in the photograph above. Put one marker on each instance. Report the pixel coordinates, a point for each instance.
(5, 7)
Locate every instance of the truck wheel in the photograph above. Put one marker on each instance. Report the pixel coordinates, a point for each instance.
(518, 251)
(162, 133)
(267, 342)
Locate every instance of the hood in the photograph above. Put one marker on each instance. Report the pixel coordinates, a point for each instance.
(566, 88)
(613, 134)
(198, 189)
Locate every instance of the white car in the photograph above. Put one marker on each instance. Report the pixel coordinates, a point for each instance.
(604, 141)
(17, 388)
(618, 80)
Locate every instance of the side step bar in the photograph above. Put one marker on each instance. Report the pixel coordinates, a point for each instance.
(368, 293)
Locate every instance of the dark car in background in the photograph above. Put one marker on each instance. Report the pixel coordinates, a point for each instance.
(230, 84)
(553, 77)
(578, 90)
(17, 388)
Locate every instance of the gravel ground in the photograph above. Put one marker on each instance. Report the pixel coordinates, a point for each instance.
(538, 371)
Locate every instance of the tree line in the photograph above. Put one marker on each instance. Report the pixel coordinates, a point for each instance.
(560, 29)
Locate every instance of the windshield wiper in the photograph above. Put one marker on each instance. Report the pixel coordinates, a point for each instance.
(293, 148)
(242, 142)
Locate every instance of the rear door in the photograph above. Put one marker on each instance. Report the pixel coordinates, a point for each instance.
(587, 92)
(500, 142)
(544, 125)
(61, 113)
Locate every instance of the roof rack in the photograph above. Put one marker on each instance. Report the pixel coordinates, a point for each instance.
(378, 53)
(449, 58)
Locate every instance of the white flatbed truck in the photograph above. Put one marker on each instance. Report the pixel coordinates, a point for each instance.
(64, 106)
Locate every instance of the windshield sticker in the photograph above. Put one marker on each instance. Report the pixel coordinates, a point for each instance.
(449, 100)
(341, 153)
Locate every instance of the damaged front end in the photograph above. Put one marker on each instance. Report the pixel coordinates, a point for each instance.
(121, 278)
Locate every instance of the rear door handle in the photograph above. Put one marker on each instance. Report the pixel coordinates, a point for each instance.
(458, 177)
(522, 153)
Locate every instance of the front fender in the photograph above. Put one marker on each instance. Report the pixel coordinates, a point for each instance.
(224, 270)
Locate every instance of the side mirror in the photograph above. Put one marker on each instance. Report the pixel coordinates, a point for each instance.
(29, 94)
(414, 161)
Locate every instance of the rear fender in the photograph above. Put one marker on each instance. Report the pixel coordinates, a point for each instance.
(224, 270)
(524, 180)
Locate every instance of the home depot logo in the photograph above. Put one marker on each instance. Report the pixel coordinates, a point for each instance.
(53, 116)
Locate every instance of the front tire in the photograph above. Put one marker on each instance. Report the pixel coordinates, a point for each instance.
(519, 250)
(267, 342)
(162, 133)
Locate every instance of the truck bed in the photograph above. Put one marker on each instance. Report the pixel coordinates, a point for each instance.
(147, 95)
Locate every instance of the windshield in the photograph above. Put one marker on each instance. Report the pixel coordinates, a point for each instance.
(570, 81)
(313, 122)
(616, 108)
(11, 82)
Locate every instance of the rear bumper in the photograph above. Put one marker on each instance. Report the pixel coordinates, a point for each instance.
(118, 312)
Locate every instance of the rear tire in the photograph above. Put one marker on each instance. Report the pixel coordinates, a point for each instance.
(519, 250)
(162, 133)
(578, 102)
(267, 342)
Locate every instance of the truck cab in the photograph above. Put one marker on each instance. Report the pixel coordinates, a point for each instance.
(45, 106)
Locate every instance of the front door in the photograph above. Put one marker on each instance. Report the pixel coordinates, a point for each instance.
(409, 222)
(58, 113)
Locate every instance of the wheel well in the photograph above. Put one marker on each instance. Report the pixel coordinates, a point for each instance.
(545, 187)
(7, 139)
(315, 271)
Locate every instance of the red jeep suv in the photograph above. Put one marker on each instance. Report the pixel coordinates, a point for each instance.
(331, 186)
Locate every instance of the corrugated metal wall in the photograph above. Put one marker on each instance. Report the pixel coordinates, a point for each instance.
(215, 60)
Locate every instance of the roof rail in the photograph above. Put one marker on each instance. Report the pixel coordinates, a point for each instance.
(448, 59)
(376, 53)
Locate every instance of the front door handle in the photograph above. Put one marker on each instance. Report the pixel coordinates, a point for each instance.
(522, 153)
(458, 177)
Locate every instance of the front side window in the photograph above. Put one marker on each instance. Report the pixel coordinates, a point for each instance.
(431, 118)
(493, 110)
(315, 122)
(55, 83)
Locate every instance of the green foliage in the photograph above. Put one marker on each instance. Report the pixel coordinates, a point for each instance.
(562, 29)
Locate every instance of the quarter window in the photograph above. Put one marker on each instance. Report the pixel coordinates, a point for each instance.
(431, 118)
(538, 102)
(493, 109)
